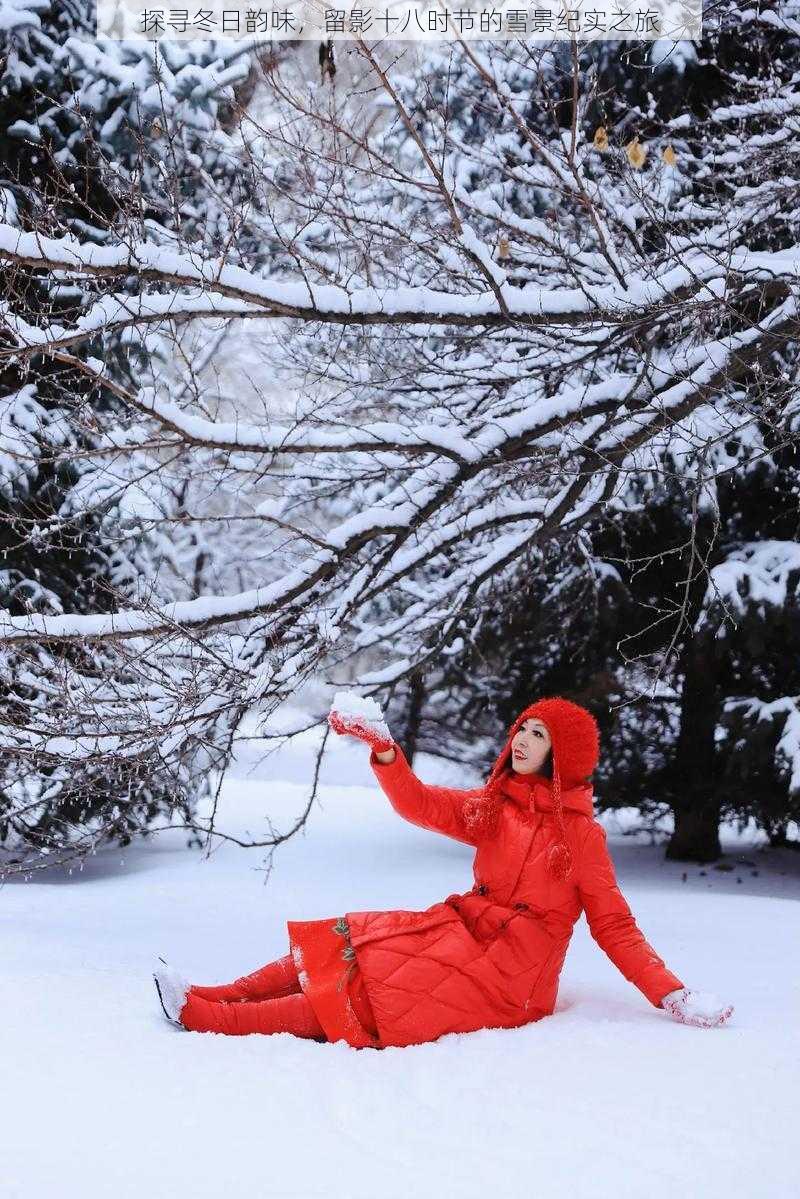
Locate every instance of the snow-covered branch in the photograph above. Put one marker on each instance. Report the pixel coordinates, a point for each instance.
(212, 287)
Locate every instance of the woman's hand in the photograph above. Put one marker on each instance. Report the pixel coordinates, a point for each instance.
(701, 1008)
(352, 715)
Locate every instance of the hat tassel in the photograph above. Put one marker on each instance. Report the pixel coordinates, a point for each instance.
(559, 857)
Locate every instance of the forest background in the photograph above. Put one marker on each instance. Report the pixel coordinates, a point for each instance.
(457, 374)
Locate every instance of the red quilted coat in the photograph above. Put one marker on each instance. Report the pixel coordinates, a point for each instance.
(490, 957)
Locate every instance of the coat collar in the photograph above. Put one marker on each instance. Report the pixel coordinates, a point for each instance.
(532, 792)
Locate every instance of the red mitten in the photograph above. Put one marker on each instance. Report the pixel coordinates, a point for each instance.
(700, 1008)
(356, 716)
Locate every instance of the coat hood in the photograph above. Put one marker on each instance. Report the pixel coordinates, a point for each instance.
(575, 740)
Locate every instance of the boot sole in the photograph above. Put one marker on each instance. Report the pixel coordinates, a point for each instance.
(171, 1019)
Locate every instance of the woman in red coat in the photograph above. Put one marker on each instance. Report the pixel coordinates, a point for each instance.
(488, 958)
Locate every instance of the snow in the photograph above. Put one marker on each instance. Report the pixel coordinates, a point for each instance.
(700, 1003)
(368, 710)
(17, 14)
(760, 573)
(677, 55)
(351, 704)
(606, 1098)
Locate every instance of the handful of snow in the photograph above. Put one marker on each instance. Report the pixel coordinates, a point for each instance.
(347, 703)
(360, 716)
(701, 1008)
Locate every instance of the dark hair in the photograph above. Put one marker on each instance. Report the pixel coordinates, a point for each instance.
(546, 768)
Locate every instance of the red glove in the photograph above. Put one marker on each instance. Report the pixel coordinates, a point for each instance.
(700, 1008)
(356, 717)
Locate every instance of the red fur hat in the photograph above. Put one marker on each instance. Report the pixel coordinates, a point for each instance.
(575, 741)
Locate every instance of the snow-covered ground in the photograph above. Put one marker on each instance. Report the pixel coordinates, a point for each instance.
(608, 1097)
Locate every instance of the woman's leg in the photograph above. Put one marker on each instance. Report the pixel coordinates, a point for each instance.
(289, 1013)
(269, 982)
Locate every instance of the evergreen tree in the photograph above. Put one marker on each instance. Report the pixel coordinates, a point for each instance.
(673, 623)
(676, 691)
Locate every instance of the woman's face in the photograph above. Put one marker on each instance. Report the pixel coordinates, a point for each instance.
(530, 746)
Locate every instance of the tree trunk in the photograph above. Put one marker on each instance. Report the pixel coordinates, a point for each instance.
(414, 718)
(696, 804)
(696, 835)
(777, 836)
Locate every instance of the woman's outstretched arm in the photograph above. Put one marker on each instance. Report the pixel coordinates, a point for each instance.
(612, 925)
(438, 809)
